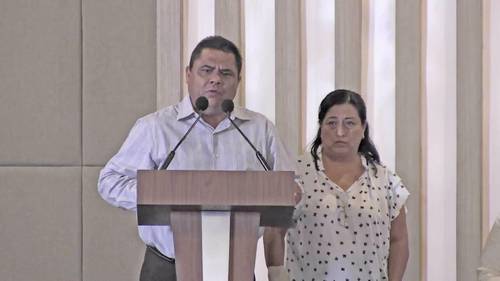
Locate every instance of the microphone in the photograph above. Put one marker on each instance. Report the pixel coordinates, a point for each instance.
(228, 107)
(200, 105)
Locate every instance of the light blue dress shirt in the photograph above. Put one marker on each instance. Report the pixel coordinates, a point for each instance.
(205, 148)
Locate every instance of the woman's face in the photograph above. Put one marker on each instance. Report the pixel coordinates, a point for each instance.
(341, 131)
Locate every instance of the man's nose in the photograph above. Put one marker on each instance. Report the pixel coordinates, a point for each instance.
(215, 78)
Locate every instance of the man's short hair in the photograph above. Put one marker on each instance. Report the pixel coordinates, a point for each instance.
(217, 43)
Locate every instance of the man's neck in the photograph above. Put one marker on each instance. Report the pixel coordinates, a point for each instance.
(214, 120)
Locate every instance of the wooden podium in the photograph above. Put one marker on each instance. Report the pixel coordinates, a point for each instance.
(215, 216)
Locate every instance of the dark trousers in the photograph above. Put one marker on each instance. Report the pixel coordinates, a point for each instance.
(157, 267)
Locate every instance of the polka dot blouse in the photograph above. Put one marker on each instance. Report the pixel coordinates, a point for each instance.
(343, 235)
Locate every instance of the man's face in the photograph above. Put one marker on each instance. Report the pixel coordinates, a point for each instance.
(215, 76)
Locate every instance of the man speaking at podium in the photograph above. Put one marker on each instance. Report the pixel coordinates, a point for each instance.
(213, 143)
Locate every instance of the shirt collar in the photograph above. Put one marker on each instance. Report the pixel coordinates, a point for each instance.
(186, 110)
(240, 113)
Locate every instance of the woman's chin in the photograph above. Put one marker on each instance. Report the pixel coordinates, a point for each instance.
(340, 153)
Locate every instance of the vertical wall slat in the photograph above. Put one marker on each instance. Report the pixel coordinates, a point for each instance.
(440, 138)
(469, 137)
(348, 44)
(228, 19)
(288, 72)
(228, 24)
(408, 121)
(492, 88)
(169, 52)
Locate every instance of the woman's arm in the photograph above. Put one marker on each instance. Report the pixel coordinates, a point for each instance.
(274, 251)
(274, 246)
(274, 238)
(398, 251)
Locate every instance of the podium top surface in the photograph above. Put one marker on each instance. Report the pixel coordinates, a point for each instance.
(219, 188)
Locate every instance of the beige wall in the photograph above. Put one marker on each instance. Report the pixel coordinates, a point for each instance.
(76, 74)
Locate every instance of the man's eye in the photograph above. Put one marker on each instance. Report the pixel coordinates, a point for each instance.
(205, 70)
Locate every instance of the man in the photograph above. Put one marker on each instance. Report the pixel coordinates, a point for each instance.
(213, 144)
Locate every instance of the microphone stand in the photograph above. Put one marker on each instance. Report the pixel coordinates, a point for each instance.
(201, 104)
(257, 153)
(172, 153)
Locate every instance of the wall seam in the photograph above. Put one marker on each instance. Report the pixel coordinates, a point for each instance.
(81, 138)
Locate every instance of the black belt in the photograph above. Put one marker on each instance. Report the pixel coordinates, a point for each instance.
(159, 254)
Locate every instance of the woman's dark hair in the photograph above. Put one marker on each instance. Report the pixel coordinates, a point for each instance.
(216, 42)
(342, 96)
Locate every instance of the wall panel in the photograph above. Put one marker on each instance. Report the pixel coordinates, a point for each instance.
(228, 18)
(169, 38)
(40, 82)
(493, 89)
(409, 164)
(40, 215)
(319, 44)
(441, 151)
(288, 73)
(348, 27)
(119, 72)
(259, 64)
(111, 247)
(469, 137)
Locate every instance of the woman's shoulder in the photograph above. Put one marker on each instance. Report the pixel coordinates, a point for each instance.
(305, 161)
(381, 171)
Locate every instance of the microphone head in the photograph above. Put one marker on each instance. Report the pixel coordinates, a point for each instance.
(227, 106)
(201, 103)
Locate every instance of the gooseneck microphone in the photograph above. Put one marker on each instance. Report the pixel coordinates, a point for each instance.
(200, 105)
(228, 107)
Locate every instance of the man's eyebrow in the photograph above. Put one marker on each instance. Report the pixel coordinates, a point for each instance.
(207, 66)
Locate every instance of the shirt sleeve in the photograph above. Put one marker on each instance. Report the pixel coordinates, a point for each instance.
(490, 259)
(117, 182)
(398, 194)
(279, 156)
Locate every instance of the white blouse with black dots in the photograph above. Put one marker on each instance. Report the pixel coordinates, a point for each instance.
(343, 235)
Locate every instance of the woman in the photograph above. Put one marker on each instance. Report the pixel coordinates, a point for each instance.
(351, 221)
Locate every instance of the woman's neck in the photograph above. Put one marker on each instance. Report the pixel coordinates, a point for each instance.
(343, 171)
(341, 160)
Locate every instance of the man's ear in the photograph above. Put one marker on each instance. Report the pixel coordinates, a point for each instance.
(188, 72)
